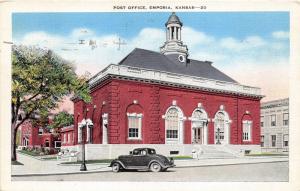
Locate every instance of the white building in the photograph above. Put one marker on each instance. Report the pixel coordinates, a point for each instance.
(275, 126)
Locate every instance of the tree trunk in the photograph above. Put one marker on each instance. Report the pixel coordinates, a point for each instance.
(14, 131)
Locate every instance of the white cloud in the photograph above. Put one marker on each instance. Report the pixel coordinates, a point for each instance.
(42, 39)
(252, 60)
(192, 37)
(244, 44)
(82, 32)
(281, 34)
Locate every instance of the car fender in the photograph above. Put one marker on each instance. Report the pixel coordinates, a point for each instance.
(118, 161)
(154, 160)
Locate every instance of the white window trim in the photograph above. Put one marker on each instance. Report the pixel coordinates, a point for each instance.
(139, 116)
(248, 122)
(180, 131)
(274, 120)
(227, 122)
(42, 131)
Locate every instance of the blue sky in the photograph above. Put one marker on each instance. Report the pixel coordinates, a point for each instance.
(251, 47)
(219, 24)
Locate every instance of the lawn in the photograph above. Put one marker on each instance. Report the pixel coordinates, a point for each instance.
(181, 157)
(29, 153)
(267, 154)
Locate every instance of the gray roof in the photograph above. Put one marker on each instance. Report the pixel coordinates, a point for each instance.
(156, 61)
(173, 19)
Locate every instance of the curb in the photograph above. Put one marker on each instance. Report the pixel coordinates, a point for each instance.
(61, 173)
(99, 171)
(227, 164)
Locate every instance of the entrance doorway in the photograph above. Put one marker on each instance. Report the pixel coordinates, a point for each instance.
(199, 126)
(198, 135)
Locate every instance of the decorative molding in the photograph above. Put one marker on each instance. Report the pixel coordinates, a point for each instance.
(161, 77)
(135, 101)
(199, 105)
(222, 107)
(174, 102)
(134, 114)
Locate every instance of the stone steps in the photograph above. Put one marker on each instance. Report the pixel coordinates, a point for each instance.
(212, 151)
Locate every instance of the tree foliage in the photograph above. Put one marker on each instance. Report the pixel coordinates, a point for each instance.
(40, 80)
(62, 119)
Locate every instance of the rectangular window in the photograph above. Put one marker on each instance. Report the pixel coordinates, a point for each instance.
(262, 141)
(285, 119)
(273, 120)
(172, 134)
(41, 131)
(134, 125)
(261, 121)
(273, 138)
(286, 140)
(247, 130)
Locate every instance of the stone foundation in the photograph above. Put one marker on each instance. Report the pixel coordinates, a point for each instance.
(111, 151)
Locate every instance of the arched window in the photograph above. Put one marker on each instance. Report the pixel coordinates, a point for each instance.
(174, 125)
(222, 127)
(247, 128)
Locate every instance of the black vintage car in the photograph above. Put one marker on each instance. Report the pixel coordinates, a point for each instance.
(142, 159)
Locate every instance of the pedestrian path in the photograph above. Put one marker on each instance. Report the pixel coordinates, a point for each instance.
(33, 166)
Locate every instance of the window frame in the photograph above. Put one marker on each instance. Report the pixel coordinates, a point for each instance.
(138, 117)
(262, 141)
(273, 140)
(285, 120)
(169, 128)
(247, 130)
(273, 123)
(40, 131)
(285, 141)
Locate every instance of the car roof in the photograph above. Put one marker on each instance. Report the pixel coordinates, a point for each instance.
(143, 148)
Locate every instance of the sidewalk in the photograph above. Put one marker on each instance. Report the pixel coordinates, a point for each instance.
(34, 166)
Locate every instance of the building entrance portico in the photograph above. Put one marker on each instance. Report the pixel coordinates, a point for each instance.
(199, 126)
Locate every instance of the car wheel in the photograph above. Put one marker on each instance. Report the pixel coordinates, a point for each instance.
(115, 167)
(155, 167)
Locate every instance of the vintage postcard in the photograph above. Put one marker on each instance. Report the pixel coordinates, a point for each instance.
(149, 95)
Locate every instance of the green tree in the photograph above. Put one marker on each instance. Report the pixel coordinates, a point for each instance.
(40, 79)
(62, 119)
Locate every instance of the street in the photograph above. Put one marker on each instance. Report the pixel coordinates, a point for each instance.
(275, 171)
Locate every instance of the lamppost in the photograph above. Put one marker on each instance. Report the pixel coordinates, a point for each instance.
(218, 136)
(88, 124)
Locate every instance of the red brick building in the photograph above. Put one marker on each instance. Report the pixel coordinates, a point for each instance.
(166, 98)
(67, 135)
(32, 136)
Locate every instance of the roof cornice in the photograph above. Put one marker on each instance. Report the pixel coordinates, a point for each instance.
(172, 79)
